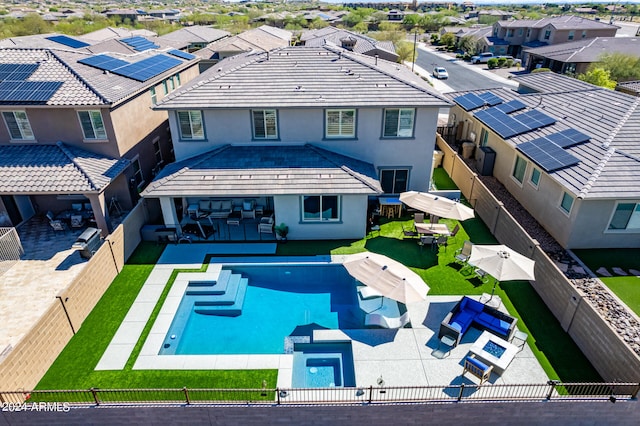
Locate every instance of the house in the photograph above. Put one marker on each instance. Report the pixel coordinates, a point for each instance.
(261, 39)
(111, 33)
(576, 56)
(522, 33)
(312, 134)
(566, 150)
(193, 38)
(350, 41)
(77, 127)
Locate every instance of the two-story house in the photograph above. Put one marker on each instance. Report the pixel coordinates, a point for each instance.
(566, 150)
(193, 38)
(350, 41)
(311, 133)
(546, 31)
(77, 127)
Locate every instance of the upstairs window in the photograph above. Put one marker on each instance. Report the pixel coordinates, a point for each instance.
(572, 34)
(566, 203)
(535, 177)
(18, 125)
(398, 122)
(265, 124)
(547, 34)
(92, 124)
(394, 181)
(191, 126)
(340, 123)
(154, 96)
(519, 168)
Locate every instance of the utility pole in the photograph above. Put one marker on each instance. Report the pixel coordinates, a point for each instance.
(415, 46)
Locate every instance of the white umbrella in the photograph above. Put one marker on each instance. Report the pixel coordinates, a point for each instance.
(389, 277)
(502, 263)
(436, 205)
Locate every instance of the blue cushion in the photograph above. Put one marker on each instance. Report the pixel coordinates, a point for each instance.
(485, 318)
(463, 318)
(456, 326)
(477, 363)
(504, 325)
(473, 305)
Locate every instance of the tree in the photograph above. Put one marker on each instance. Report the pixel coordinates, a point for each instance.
(468, 44)
(405, 51)
(448, 39)
(33, 24)
(621, 67)
(598, 77)
(411, 21)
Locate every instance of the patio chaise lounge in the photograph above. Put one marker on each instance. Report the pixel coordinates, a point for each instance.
(468, 311)
(387, 322)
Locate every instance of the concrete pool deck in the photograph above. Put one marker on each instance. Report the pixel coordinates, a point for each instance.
(402, 357)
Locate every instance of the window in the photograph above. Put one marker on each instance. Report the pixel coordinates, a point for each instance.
(178, 82)
(584, 33)
(572, 34)
(398, 123)
(547, 34)
(566, 203)
(520, 32)
(137, 173)
(626, 217)
(191, 127)
(535, 177)
(340, 123)
(528, 32)
(321, 208)
(157, 151)
(394, 181)
(172, 86)
(18, 125)
(92, 125)
(510, 32)
(519, 169)
(484, 136)
(166, 87)
(154, 96)
(265, 124)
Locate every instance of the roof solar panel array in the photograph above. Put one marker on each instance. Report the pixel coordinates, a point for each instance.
(511, 106)
(16, 72)
(490, 99)
(139, 43)
(512, 125)
(181, 54)
(28, 91)
(68, 41)
(567, 138)
(547, 154)
(142, 70)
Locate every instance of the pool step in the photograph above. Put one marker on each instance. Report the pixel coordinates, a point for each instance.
(209, 287)
(233, 309)
(226, 298)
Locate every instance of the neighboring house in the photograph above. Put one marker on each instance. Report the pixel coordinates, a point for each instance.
(110, 33)
(91, 116)
(170, 15)
(193, 38)
(568, 151)
(310, 132)
(350, 41)
(129, 14)
(629, 87)
(261, 39)
(575, 57)
(522, 33)
(395, 15)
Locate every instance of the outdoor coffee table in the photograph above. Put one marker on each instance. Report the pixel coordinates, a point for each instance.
(493, 350)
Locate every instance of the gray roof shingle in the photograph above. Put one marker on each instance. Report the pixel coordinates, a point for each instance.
(313, 77)
(60, 168)
(609, 165)
(565, 22)
(334, 35)
(588, 50)
(265, 170)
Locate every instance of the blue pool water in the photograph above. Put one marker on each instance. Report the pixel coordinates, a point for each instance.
(280, 300)
(494, 349)
(322, 365)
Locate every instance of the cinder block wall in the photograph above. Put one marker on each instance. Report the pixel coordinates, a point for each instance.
(601, 344)
(37, 350)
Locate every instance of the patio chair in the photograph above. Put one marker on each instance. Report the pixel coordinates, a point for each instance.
(58, 225)
(426, 240)
(455, 231)
(77, 221)
(248, 209)
(464, 252)
(408, 233)
(442, 241)
(387, 322)
(418, 217)
(266, 225)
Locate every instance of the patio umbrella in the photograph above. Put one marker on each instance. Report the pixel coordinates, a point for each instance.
(389, 277)
(502, 263)
(436, 205)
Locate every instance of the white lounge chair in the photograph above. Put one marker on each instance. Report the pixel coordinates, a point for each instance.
(367, 292)
(387, 322)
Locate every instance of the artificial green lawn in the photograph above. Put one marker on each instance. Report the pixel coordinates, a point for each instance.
(627, 288)
(559, 356)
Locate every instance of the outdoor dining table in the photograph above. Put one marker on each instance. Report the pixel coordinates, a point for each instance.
(433, 228)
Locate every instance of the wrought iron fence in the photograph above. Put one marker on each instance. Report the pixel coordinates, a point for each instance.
(10, 248)
(552, 390)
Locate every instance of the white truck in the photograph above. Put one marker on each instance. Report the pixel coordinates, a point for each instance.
(483, 58)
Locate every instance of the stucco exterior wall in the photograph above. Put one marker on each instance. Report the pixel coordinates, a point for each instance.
(288, 209)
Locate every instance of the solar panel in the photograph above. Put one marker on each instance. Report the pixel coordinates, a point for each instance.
(16, 72)
(511, 106)
(547, 154)
(567, 138)
(139, 43)
(103, 62)
(534, 119)
(68, 41)
(469, 101)
(490, 99)
(501, 123)
(148, 68)
(181, 54)
(28, 91)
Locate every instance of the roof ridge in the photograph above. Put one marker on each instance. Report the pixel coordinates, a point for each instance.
(621, 123)
(348, 170)
(66, 151)
(582, 48)
(596, 173)
(79, 77)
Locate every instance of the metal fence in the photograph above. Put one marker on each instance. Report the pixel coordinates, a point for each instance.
(10, 248)
(552, 390)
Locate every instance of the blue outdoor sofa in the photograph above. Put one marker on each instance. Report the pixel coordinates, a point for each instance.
(467, 312)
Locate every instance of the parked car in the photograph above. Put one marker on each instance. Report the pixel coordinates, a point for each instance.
(440, 73)
(482, 58)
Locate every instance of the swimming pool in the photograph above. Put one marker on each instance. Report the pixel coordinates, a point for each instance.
(278, 301)
(321, 365)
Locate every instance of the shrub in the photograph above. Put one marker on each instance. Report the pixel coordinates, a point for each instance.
(492, 63)
(508, 63)
(541, 70)
(501, 62)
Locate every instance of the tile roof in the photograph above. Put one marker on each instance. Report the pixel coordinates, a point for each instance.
(60, 168)
(113, 32)
(317, 77)
(195, 34)
(265, 170)
(609, 165)
(334, 35)
(565, 22)
(588, 50)
(263, 38)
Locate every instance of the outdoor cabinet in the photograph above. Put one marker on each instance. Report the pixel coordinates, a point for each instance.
(486, 158)
(88, 242)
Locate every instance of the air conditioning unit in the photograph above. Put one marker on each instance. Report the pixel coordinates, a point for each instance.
(485, 159)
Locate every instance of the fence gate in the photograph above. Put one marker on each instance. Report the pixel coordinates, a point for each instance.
(10, 248)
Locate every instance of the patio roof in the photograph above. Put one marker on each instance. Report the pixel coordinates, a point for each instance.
(57, 169)
(265, 170)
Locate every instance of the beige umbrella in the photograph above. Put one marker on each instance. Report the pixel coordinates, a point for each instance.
(389, 277)
(502, 263)
(436, 205)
